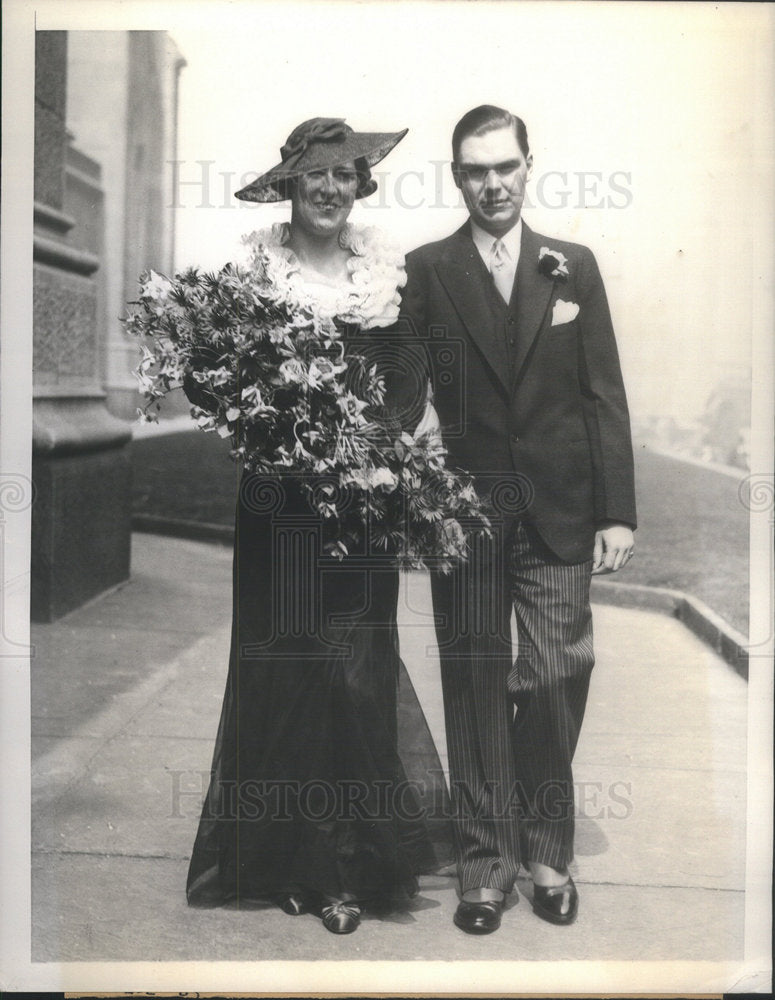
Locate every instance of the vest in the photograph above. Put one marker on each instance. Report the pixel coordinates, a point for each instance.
(503, 317)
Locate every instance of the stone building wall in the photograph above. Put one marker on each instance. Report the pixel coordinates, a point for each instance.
(122, 111)
(80, 452)
(105, 112)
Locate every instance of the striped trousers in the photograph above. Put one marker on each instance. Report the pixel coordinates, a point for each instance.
(513, 722)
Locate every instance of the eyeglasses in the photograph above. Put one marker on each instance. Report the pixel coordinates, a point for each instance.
(476, 174)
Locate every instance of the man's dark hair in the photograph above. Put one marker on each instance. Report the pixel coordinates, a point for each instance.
(487, 118)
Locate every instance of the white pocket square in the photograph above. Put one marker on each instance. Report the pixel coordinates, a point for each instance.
(564, 312)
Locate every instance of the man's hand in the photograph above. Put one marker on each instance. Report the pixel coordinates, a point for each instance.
(614, 546)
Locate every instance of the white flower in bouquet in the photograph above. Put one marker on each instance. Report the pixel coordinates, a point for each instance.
(383, 477)
(157, 287)
(293, 372)
(352, 408)
(255, 402)
(371, 479)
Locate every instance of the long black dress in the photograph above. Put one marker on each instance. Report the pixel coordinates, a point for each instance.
(308, 791)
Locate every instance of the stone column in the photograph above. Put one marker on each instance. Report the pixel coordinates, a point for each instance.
(81, 460)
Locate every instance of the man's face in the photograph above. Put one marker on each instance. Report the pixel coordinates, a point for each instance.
(321, 200)
(492, 172)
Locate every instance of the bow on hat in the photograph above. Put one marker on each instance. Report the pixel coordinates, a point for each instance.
(314, 130)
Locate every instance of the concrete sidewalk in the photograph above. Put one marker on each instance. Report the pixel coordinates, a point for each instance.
(126, 694)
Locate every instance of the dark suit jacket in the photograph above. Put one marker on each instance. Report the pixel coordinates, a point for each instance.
(520, 399)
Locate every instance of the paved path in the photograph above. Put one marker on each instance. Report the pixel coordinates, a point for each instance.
(126, 694)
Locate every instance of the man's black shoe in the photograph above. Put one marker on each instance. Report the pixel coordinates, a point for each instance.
(479, 918)
(559, 904)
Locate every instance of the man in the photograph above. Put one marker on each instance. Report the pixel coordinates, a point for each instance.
(538, 415)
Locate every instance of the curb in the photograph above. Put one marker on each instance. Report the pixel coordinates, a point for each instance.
(198, 531)
(731, 645)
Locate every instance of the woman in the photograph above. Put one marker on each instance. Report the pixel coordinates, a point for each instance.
(308, 802)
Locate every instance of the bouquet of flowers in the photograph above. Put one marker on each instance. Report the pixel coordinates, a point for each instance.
(270, 372)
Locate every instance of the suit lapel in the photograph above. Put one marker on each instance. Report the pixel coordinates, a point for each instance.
(464, 278)
(530, 298)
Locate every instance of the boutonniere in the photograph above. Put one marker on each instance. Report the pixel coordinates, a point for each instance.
(564, 312)
(553, 264)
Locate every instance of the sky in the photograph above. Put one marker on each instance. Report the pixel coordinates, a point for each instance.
(650, 127)
(645, 123)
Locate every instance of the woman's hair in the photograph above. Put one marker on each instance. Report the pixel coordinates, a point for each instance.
(487, 118)
(366, 184)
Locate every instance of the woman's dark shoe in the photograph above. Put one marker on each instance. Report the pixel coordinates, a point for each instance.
(559, 904)
(292, 903)
(341, 916)
(479, 918)
(413, 887)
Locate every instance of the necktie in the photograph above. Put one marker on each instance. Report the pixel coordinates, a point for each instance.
(499, 270)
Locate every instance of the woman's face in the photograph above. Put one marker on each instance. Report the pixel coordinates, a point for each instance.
(321, 200)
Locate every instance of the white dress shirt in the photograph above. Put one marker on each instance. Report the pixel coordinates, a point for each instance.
(511, 242)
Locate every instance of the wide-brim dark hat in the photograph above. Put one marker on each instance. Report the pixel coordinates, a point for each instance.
(319, 144)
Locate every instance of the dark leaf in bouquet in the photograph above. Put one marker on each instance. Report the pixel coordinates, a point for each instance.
(284, 397)
(199, 395)
(258, 316)
(211, 280)
(201, 360)
(172, 329)
(204, 357)
(190, 277)
(378, 433)
(180, 295)
(250, 370)
(222, 318)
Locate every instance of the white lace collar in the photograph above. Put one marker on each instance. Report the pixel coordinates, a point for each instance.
(370, 298)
